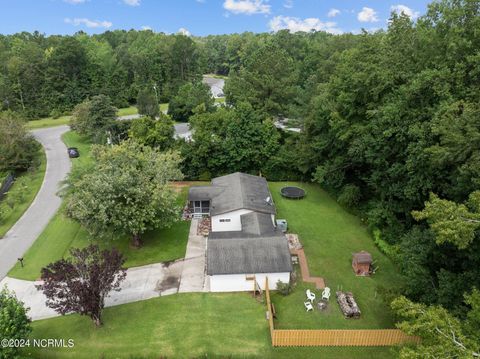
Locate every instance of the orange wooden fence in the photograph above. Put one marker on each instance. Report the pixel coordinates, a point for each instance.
(338, 337)
(333, 337)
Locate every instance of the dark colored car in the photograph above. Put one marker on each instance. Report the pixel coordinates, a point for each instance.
(73, 152)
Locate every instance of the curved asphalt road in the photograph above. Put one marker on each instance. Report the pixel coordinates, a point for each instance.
(27, 229)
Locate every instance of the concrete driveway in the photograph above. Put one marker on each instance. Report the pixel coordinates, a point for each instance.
(193, 277)
(21, 236)
(141, 283)
(145, 282)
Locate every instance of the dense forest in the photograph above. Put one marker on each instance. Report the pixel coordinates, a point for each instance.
(391, 123)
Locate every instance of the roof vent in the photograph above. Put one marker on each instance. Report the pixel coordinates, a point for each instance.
(269, 200)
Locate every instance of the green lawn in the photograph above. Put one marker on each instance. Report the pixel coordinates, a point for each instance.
(180, 326)
(48, 122)
(222, 325)
(65, 120)
(23, 192)
(132, 110)
(63, 233)
(330, 235)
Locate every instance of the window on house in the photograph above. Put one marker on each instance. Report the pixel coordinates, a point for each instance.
(225, 220)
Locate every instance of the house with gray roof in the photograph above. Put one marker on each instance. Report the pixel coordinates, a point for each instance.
(244, 245)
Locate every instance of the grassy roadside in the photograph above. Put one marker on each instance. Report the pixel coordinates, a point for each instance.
(48, 122)
(65, 120)
(22, 194)
(63, 233)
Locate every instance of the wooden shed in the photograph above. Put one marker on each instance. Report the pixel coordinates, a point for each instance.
(362, 263)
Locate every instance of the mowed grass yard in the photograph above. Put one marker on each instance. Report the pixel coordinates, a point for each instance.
(194, 325)
(22, 194)
(63, 233)
(233, 325)
(330, 235)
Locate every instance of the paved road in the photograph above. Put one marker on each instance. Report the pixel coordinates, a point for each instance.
(21, 236)
(216, 85)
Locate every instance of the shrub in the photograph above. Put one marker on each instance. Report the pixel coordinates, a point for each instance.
(349, 196)
(55, 113)
(284, 288)
(14, 322)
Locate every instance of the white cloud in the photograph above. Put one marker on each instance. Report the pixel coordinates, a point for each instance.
(146, 27)
(367, 15)
(406, 10)
(333, 12)
(183, 31)
(131, 2)
(247, 7)
(295, 24)
(88, 23)
(288, 4)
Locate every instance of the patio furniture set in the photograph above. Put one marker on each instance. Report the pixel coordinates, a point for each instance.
(322, 304)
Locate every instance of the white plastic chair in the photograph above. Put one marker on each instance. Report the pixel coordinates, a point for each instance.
(326, 293)
(308, 306)
(310, 295)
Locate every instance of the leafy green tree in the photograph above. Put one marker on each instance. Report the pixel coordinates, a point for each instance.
(190, 96)
(127, 192)
(230, 140)
(66, 79)
(147, 103)
(267, 81)
(451, 222)
(18, 149)
(14, 322)
(93, 117)
(153, 133)
(443, 335)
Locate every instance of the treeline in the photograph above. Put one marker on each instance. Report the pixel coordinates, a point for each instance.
(42, 75)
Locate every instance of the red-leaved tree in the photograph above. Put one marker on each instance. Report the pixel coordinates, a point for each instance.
(79, 284)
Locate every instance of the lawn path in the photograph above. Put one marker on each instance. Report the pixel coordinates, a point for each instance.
(22, 235)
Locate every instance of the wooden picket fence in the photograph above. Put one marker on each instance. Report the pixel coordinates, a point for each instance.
(333, 337)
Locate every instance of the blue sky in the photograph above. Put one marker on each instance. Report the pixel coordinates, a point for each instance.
(200, 17)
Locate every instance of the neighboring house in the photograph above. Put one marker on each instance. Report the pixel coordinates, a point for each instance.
(244, 244)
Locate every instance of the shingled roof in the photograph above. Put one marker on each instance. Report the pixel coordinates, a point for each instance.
(248, 255)
(233, 192)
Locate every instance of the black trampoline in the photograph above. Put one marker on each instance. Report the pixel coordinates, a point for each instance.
(292, 192)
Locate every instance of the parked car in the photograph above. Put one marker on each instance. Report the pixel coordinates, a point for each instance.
(73, 152)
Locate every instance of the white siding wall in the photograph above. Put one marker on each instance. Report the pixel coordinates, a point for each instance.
(238, 282)
(233, 225)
